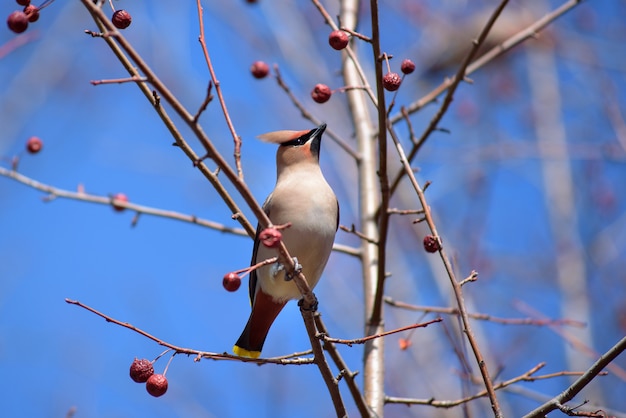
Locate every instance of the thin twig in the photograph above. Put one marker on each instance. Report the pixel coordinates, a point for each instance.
(133, 79)
(569, 393)
(383, 334)
(207, 99)
(80, 195)
(352, 230)
(188, 351)
(220, 96)
(484, 317)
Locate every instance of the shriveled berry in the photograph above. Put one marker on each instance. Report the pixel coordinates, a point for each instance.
(23, 2)
(338, 39)
(259, 69)
(34, 145)
(141, 370)
(231, 282)
(321, 93)
(17, 21)
(156, 385)
(32, 12)
(270, 237)
(431, 244)
(120, 197)
(121, 19)
(392, 81)
(407, 66)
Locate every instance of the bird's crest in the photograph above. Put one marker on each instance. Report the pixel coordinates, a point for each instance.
(279, 137)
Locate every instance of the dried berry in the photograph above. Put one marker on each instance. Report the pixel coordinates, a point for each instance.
(141, 370)
(321, 93)
(231, 282)
(121, 19)
(431, 244)
(259, 69)
(392, 81)
(120, 197)
(407, 66)
(32, 12)
(17, 21)
(34, 145)
(270, 237)
(338, 39)
(23, 2)
(156, 385)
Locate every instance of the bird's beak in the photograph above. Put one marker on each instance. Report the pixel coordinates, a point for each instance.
(318, 131)
(316, 139)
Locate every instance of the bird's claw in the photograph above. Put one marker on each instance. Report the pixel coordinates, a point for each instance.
(312, 308)
(297, 269)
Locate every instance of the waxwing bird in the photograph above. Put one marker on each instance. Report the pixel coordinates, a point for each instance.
(303, 198)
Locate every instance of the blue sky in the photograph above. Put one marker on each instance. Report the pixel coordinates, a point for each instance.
(488, 195)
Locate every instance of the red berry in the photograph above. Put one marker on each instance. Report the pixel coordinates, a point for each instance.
(321, 93)
(23, 2)
(34, 145)
(121, 19)
(270, 237)
(120, 197)
(338, 39)
(392, 81)
(32, 12)
(259, 69)
(141, 370)
(404, 343)
(156, 385)
(17, 21)
(231, 282)
(431, 244)
(407, 66)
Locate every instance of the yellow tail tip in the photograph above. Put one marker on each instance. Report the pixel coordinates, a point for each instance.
(242, 352)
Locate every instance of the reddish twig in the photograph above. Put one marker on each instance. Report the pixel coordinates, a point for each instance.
(220, 96)
(484, 317)
(352, 230)
(133, 79)
(383, 334)
(188, 351)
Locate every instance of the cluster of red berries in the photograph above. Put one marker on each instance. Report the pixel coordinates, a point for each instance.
(321, 93)
(142, 371)
(19, 19)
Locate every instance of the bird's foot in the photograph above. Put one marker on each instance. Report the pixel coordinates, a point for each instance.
(297, 269)
(311, 308)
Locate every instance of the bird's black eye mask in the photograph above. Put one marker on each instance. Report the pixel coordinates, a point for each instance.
(301, 140)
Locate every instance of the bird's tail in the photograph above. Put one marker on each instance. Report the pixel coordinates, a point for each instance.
(264, 312)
